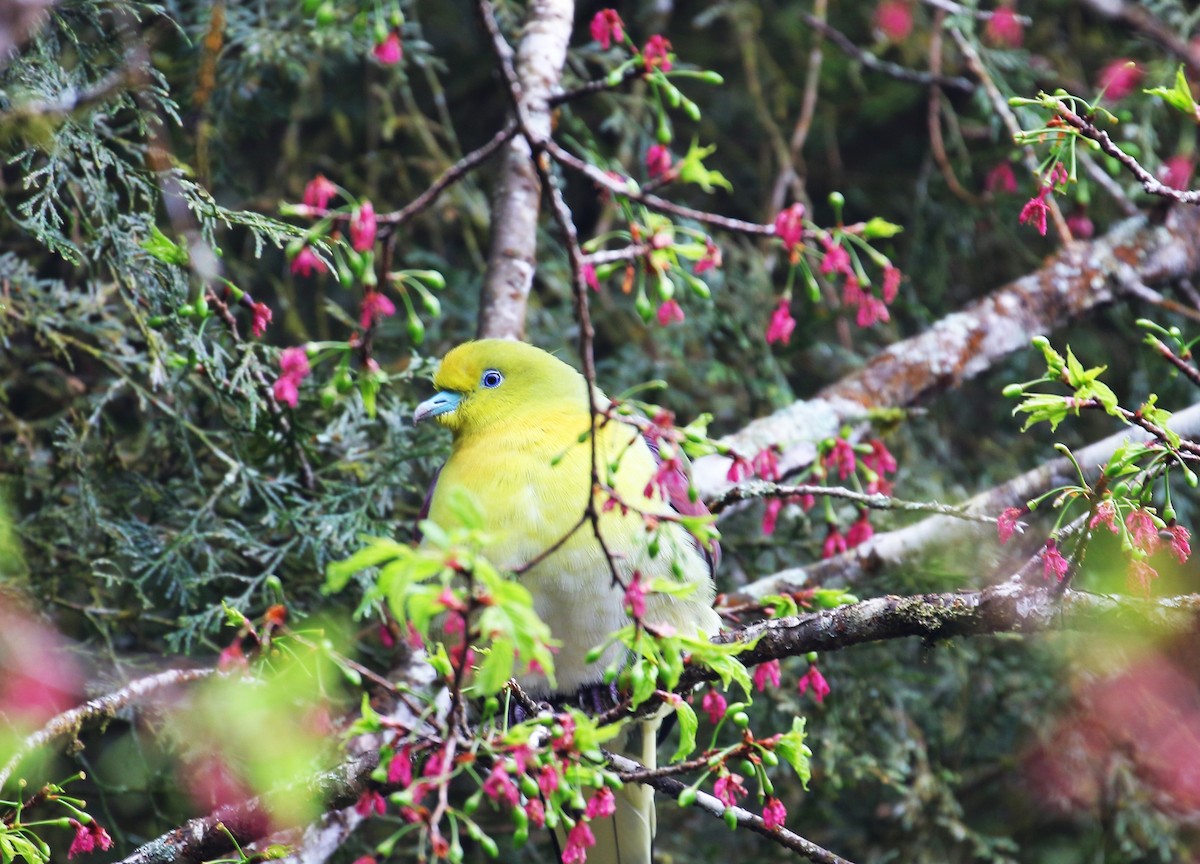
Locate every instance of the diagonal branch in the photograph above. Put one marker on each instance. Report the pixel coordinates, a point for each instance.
(963, 345)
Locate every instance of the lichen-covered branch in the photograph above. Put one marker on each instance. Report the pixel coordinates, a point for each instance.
(101, 708)
(1011, 607)
(1077, 280)
(906, 547)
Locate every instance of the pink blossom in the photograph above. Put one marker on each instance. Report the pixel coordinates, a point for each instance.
(1004, 28)
(294, 362)
(1140, 576)
(579, 840)
(1006, 524)
(871, 310)
(1142, 529)
(670, 312)
(1181, 546)
(729, 788)
(547, 780)
(363, 226)
(607, 27)
(375, 306)
(536, 811)
(601, 805)
(88, 838)
(836, 259)
(1080, 224)
(635, 597)
(399, 770)
(306, 262)
(834, 543)
(813, 678)
(861, 531)
(714, 704)
(766, 673)
(1001, 179)
(499, 786)
(771, 515)
(319, 192)
(774, 814)
(766, 463)
(852, 293)
(589, 277)
(286, 391)
(232, 657)
(261, 317)
(1106, 514)
(657, 52)
(739, 470)
(370, 802)
(711, 259)
(789, 226)
(891, 283)
(390, 51)
(293, 366)
(1119, 78)
(1053, 563)
(1035, 210)
(880, 459)
(782, 323)
(894, 19)
(841, 457)
(658, 160)
(1176, 172)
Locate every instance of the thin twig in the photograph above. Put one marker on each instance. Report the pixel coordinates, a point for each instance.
(892, 70)
(628, 189)
(752, 489)
(101, 708)
(448, 178)
(1150, 183)
(714, 807)
(1002, 109)
(933, 117)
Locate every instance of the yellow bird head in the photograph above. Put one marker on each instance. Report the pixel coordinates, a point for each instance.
(492, 380)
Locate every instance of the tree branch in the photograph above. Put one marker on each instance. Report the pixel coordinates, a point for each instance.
(530, 84)
(714, 807)
(102, 707)
(1011, 607)
(892, 70)
(962, 345)
(905, 547)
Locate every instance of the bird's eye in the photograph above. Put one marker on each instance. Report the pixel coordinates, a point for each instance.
(491, 378)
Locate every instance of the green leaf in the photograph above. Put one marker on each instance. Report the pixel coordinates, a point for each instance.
(691, 169)
(164, 248)
(1178, 97)
(795, 752)
(688, 724)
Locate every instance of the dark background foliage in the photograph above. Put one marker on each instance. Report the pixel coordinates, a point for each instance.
(150, 477)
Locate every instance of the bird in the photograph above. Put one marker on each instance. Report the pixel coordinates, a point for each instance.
(520, 419)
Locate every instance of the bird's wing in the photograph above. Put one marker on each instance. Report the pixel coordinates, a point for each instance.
(426, 504)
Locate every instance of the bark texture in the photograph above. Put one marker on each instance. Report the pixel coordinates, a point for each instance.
(512, 256)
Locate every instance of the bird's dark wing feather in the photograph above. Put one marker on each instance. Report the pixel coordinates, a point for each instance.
(424, 514)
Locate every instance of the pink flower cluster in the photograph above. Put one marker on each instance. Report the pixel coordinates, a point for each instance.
(871, 309)
(1036, 208)
(294, 368)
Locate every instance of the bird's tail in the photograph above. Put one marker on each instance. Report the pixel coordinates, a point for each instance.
(628, 836)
